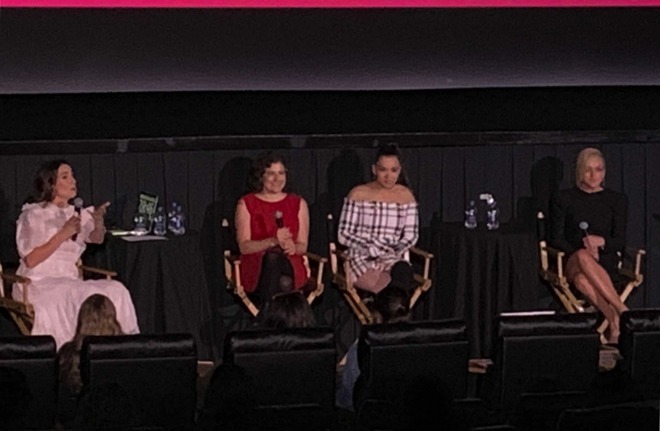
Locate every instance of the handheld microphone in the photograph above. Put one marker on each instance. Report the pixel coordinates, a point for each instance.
(279, 221)
(77, 206)
(584, 226)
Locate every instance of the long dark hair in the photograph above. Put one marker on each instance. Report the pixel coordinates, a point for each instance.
(259, 166)
(391, 149)
(44, 183)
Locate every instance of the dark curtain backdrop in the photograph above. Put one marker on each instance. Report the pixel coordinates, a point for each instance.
(208, 182)
(444, 170)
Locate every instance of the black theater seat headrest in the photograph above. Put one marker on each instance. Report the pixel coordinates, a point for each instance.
(33, 347)
(526, 325)
(414, 333)
(138, 346)
(271, 340)
(641, 320)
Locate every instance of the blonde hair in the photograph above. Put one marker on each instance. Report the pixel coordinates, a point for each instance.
(97, 316)
(581, 162)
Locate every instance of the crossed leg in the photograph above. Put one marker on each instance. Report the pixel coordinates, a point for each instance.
(590, 278)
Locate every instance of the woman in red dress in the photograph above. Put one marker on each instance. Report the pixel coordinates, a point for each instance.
(272, 230)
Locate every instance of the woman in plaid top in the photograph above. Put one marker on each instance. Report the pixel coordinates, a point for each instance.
(379, 223)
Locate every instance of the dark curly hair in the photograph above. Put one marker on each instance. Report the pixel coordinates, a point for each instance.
(44, 183)
(259, 166)
(288, 310)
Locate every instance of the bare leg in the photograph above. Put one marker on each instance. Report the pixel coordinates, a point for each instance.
(583, 284)
(593, 281)
(582, 262)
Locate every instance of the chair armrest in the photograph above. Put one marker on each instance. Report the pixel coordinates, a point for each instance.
(15, 278)
(423, 253)
(232, 258)
(556, 270)
(341, 254)
(316, 257)
(554, 252)
(99, 271)
(631, 263)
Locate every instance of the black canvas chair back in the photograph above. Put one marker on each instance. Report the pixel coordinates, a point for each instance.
(151, 378)
(639, 344)
(28, 382)
(398, 359)
(293, 372)
(542, 354)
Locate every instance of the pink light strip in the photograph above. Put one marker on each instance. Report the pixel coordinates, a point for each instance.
(270, 4)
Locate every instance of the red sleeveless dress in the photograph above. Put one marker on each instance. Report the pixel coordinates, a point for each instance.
(262, 226)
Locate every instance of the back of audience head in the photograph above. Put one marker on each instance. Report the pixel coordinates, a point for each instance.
(392, 305)
(288, 310)
(97, 316)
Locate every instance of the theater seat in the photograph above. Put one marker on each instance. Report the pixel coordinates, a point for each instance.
(639, 416)
(639, 344)
(552, 357)
(407, 366)
(156, 374)
(293, 373)
(28, 382)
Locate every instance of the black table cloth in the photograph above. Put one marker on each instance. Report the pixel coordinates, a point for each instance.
(480, 273)
(167, 283)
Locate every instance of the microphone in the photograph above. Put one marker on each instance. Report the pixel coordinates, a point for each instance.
(584, 226)
(77, 206)
(279, 221)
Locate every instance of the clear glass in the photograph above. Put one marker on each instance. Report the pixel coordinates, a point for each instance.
(492, 218)
(141, 224)
(160, 223)
(471, 216)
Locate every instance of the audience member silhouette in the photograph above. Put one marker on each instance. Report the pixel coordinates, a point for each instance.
(427, 402)
(97, 316)
(288, 310)
(229, 401)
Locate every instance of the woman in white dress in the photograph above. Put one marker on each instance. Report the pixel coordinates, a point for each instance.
(379, 223)
(50, 237)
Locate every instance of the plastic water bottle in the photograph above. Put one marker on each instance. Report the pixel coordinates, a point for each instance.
(471, 216)
(175, 219)
(160, 224)
(492, 215)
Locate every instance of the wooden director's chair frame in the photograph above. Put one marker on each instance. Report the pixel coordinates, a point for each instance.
(22, 311)
(233, 274)
(340, 265)
(552, 271)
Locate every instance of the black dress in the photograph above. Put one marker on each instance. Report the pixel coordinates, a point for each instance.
(606, 213)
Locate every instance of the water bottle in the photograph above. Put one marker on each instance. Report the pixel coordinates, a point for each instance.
(492, 215)
(160, 226)
(471, 216)
(175, 219)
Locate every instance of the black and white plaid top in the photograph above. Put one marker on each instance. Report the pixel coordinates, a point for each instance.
(377, 234)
